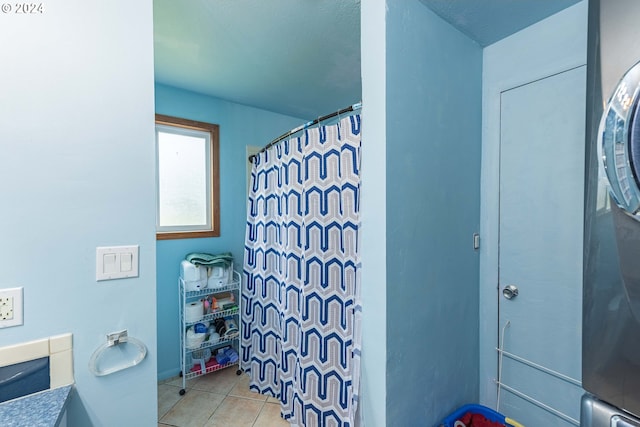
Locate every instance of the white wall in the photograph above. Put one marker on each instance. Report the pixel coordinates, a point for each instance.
(556, 44)
(373, 388)
(76, 172)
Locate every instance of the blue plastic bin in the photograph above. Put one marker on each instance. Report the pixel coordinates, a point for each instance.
(488, 413)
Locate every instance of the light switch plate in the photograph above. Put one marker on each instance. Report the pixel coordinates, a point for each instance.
(11, 307)
(116, 262)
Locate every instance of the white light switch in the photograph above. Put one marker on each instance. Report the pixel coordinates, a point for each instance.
(109, 265)
(125, 261)
(116, 262)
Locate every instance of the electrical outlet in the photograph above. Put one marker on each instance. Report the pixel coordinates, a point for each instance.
(11, 307)
(6, 308)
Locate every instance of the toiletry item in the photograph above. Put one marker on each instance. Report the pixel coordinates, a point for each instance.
(225, 300)
(200, 328)
(218, 277)
(214, 337)
(220, 326)
(231, 328)
(189, 272)
(227, 355)
(193, 311)
(194, 276)
(222, 357)
(193, 339)
(232, 355)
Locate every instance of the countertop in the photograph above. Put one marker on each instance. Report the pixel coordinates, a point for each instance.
(42, 409)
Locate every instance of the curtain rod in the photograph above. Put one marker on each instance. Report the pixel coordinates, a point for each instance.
(307, 125)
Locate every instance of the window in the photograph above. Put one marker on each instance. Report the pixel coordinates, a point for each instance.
(187, 179)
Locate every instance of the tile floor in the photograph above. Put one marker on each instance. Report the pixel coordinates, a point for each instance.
(218, 399)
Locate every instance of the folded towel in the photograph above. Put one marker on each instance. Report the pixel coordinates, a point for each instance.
(200, 258)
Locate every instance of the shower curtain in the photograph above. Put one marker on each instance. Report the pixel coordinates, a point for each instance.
(300, 299)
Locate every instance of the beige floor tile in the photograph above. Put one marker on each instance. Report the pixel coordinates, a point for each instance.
(221, 382)
(270, 417)
(235, 412)
(241, 389)
(168, 396)
(272, 400)
(177, 382)
(195, 408)
(168, 380)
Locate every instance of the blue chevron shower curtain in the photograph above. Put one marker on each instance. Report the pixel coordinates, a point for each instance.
(300, 299)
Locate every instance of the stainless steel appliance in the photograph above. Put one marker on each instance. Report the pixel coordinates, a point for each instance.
(611, 303)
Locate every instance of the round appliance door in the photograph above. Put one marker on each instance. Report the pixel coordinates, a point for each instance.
(619, 143)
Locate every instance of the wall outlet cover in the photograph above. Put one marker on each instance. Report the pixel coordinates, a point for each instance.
(11, 307)
(116, 262)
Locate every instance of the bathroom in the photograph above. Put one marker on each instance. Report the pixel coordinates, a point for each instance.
(78, 170)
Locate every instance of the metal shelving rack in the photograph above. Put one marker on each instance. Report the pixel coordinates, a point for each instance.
(186, 359)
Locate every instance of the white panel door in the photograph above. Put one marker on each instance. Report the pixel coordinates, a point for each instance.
(541, 233)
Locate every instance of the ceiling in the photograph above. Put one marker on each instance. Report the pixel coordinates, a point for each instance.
(487, 21)
(298, 57)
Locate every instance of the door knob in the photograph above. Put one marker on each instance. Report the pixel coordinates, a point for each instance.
(510, 291)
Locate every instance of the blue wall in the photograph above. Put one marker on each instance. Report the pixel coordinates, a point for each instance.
(240, 126)
(434, 101)
(77, 172)
(373, 388)
(550, 46)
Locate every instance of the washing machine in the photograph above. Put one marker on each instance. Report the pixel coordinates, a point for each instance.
(611, 299)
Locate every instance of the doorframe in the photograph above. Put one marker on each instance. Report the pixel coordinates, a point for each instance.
(554, 45)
